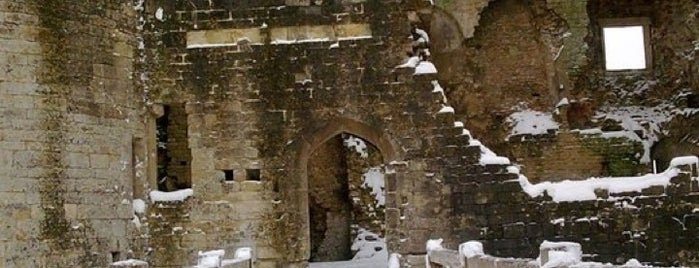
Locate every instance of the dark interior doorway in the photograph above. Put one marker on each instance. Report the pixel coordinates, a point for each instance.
(341, 202)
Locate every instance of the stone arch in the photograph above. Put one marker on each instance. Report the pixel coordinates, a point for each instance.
(345, 125)
(309, 143)
(465, 13)
(447, 28)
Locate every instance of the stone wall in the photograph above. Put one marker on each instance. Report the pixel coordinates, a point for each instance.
(254, 106)
(259, 86)
(70, 121)
(656, 226)
(532, 55)
(573, 156)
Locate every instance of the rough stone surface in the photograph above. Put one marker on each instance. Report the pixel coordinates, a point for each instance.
(86, 85)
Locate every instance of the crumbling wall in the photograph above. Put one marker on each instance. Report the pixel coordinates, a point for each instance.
(531, 55)
(70, 123)
(656, 226)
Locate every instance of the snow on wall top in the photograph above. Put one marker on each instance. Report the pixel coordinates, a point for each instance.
(179, 195)
(568, 191)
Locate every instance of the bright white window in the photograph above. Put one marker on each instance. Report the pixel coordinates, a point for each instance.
(624, 48)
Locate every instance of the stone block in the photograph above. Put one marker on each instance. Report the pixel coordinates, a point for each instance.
(100, 161)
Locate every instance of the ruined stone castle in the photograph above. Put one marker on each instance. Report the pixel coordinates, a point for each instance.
(154, 129)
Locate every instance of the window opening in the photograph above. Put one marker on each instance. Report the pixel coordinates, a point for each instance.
(173, 152)
(228, 175)
(253, 174)
(625, 47)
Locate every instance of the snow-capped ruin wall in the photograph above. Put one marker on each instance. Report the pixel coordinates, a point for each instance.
(260, 86)
(500, 70)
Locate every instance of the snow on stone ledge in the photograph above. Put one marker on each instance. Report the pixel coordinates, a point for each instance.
(128, 263)
(211, 258)
(436, 87)
(690, 160)
(531, 122)
(560, 254)
(489, 157)
(139, 207)
(425, 67)
(434, 244)
(412, 62)
(446, 109)
(569, 191)
(179, 195)
(471, 249)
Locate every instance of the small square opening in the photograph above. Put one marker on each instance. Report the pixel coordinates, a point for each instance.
(253, 174)
(624, 47)
(116, 256)
(228, 175)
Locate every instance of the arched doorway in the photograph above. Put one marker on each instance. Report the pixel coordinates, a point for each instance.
(346, 200)
(308, 144)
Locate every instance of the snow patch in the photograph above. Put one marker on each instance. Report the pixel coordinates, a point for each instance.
(434, 244)
(437, 87)
(412, 62)
(633, 263)
(424, 37)
(374, 179)
(394, 261)
(690, 160)
(446, 109)
(644, 120)
(531, 122)
(129, 263)
(179, 195)
(425, 67)
(561, 254)
(568, 191)
(139, 207)
(369, 246)
(211, 258)
(488, 157)
(243, 253)
(357, 144)
(471, 249)
(563, 101)
(159, 14)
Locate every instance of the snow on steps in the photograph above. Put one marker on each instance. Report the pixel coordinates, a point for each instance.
(551, 254)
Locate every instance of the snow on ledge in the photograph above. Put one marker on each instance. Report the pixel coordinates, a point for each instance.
(412, 62)
(471, 249)
(139, 206)
(685, 161)
(179, 195)
(560, 254)
(531, 122)
(488, 157)
(425, 67)
(128, 263)
(446, 109)
(569, 191)
(434, 244)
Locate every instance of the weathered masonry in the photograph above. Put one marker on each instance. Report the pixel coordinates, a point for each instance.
(154, 129)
